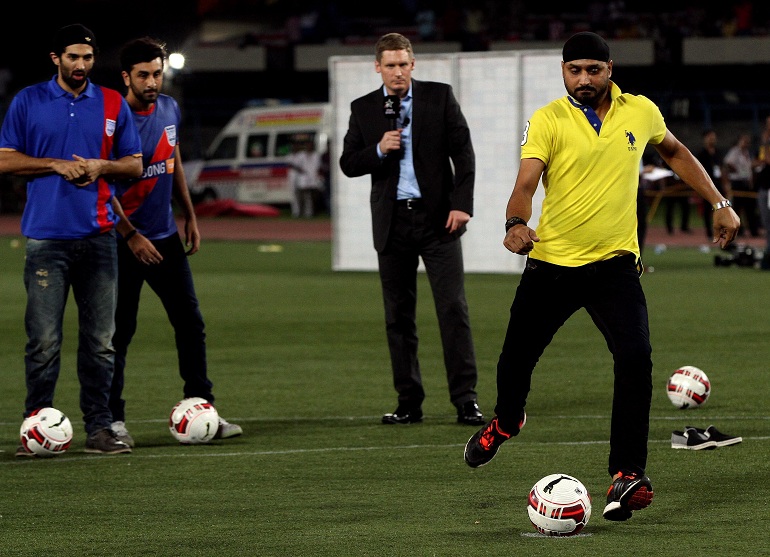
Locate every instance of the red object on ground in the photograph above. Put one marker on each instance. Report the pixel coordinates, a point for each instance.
(229, 208)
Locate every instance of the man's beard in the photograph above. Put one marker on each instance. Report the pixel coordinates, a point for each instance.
(589, 96)
(149, 97)
(74, 83)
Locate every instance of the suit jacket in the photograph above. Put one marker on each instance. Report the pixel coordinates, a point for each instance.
(441, 140)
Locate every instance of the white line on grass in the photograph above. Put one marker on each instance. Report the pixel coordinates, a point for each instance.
(183, 453)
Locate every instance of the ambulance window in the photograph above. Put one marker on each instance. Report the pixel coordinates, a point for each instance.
(257, 146)
(227, 148)
(287, 143)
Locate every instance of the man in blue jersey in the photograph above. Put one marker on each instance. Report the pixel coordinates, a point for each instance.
(151, 249)
(587, 147)
(70, 136)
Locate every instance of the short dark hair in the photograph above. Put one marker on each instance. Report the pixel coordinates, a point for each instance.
(393, 41)
(144, 49)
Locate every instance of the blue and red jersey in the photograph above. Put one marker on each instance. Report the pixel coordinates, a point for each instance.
(43, 121)
(147, 200)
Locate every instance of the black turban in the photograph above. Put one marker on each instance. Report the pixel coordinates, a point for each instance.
(73, 34)
(586, 46)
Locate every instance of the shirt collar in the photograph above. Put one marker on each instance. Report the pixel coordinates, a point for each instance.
(58, 91)
(408, 93)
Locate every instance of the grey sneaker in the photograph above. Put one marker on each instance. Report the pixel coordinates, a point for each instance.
(122, 433)
(105, 441)
(691, 439)
(227, 430)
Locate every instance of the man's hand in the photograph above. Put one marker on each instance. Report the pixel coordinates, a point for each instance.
(456, 220)
(143, 250)
(391, 141)
(92, 169)
(192, 236)
(726, 225)
(72, 171)
(520, 239)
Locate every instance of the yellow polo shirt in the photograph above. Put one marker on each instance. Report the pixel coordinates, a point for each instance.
(591, 180)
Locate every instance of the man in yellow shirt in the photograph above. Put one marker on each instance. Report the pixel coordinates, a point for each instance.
(587, 147)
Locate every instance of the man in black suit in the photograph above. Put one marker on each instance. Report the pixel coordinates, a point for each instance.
(422, 166)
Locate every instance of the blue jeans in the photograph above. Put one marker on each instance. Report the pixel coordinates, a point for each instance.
(611, 293)
(89, 267)
(172, 281)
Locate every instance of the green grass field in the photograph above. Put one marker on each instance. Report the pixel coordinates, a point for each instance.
(298, 357)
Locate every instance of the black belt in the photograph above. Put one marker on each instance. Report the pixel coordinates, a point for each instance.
(411, 203)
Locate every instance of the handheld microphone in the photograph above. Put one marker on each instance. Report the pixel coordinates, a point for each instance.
(392, 109)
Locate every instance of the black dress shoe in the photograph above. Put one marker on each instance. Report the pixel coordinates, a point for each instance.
(403, 416)
(469, 414)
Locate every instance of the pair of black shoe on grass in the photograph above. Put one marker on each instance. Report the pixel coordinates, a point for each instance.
(696, 439)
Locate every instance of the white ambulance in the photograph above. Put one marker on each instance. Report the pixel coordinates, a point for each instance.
(247, 161)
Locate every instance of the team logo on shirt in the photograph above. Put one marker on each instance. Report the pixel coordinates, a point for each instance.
(109, 128)
(171, 135)
(631, 141)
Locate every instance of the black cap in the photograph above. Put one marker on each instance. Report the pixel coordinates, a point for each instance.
(73, 34)
(585, 46)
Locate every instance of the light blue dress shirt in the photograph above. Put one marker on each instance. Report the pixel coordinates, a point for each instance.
(407, 182)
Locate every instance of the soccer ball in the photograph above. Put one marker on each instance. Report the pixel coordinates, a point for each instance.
(688, 387)
(559, 505)
(46, 432)
(193, 421)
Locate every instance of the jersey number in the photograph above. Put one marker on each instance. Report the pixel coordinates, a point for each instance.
(524, 135)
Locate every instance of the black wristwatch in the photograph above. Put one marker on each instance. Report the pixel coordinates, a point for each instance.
(513, 221)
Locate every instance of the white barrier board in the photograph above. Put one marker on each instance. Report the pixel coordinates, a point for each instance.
(497, 91)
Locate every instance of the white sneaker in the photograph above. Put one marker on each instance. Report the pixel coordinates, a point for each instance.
(122, 433)
(227, 430)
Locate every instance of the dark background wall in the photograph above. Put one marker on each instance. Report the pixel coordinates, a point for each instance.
(729, 97)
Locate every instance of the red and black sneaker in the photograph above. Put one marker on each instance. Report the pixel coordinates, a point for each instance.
(482, 447)
(628, 492)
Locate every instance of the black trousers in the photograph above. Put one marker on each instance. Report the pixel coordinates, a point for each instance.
(172, 281)
(746, 208)
(413, 238)
(684, 206)
(611, 292)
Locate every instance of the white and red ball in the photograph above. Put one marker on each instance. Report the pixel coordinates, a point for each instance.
(688, 387)
(193, 421)
(46, 432)
(559, 505)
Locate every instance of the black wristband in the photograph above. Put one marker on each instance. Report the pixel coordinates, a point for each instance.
(130, 235)
(513, 221)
